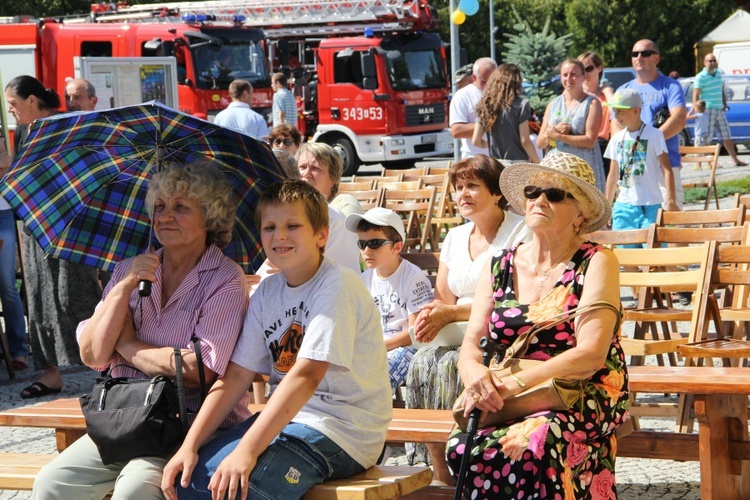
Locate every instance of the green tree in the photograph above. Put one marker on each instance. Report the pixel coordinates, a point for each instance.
(537, 54)
(611, 28)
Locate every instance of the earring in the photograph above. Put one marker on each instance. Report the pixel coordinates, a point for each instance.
(576, 229)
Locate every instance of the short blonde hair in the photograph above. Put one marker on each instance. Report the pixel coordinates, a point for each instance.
(325, 155)
(205, 182)
(587, 208)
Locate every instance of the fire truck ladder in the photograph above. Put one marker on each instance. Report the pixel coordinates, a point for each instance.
(275, 13)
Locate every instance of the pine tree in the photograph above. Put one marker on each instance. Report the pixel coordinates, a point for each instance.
(538, 55)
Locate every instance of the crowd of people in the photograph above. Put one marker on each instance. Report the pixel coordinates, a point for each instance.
(335, 315)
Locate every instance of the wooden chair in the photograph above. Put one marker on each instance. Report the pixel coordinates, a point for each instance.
(387, 172)
(744, 201)
(654, 279)
(623, 237)
(415, 207)
(701, 218)
(429, 262)
(399, 184)
(368, 198)
(362, 184)
(375, 180)
(446, 214)
(436, 180)
(438, 170)
(698, 155)
(730, 269)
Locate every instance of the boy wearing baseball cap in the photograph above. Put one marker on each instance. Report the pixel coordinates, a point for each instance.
(640, 164)
(398, 286)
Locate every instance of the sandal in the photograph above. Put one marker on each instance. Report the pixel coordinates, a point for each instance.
(37, 390)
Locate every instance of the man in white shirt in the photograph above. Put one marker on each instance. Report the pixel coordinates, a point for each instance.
(239, 116)
(463, 104)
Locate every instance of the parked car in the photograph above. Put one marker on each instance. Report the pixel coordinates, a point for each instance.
(737, 88)
(618, 76)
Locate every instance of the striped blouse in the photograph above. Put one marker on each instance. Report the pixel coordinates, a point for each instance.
(210, 303)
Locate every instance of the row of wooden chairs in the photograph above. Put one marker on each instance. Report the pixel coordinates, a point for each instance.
(384, 192)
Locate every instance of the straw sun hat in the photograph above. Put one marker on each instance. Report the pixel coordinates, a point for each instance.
(515, 177)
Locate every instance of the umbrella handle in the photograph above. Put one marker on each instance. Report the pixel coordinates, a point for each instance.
(144, 288)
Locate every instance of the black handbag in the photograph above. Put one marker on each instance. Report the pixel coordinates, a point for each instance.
(137, 417)
(661, 116)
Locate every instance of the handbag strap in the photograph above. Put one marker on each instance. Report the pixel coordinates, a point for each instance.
(181, 389)
(201, 376)
(521, 344)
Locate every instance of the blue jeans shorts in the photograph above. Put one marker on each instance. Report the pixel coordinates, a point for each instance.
(626, 216)
(299, 458)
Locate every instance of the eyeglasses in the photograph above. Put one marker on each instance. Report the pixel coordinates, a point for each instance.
(589, 68)
(711, 60)
(642, 53)
(286, 142)
(373, 244)
(553, 195)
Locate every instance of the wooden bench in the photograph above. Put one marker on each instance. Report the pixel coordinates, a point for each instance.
(18, 470)
(721, 445)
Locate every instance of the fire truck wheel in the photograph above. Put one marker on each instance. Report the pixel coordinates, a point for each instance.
(346, 151)
(399, 164)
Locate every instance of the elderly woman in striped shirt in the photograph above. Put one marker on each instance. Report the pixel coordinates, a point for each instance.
(197, 291)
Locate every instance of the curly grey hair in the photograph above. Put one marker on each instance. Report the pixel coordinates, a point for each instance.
(205, 182)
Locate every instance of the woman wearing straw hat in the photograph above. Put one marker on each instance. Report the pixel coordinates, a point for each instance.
(566, 453)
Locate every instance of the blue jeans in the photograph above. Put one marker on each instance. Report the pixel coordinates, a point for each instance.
(15, 323)
(299, 458)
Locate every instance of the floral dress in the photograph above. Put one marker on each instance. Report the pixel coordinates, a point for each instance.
(558, 454)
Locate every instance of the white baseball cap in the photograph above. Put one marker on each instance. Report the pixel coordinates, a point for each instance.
(380, 217)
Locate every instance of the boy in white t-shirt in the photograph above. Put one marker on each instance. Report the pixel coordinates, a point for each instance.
(698, 113)
(314, 330)
(398, 287)
(640, 163)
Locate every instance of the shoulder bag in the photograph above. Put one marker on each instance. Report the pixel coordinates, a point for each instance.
(555, 394)
(137, 417)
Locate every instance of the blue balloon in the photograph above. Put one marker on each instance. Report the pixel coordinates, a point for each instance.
(469, 7)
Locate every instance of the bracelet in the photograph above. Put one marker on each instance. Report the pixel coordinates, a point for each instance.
(520, 382)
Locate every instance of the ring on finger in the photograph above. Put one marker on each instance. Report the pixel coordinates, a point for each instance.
(476, 398)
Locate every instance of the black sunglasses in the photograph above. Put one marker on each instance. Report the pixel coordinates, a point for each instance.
(589, 68)
(554, 195)
(711, 60)
(373, 244)
(642, 53)
(286, 142)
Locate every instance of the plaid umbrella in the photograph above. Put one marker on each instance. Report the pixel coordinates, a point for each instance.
(79, 183)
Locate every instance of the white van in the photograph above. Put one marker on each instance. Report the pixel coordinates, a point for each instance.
(733, 58)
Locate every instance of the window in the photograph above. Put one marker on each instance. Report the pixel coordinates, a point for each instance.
(96, 49)
(348, 68)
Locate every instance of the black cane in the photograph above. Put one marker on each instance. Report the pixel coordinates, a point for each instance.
(489, 348)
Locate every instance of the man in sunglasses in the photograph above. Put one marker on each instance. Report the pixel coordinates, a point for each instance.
(709, 87)
(659, 93)
(238, 116)
(463, 104)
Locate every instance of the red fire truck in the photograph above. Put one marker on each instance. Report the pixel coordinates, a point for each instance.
(370, 80)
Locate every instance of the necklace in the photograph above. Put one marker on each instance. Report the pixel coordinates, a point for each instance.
(542, 278)
(487, 241)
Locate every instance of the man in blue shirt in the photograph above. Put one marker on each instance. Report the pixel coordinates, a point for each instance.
(284, 103)
(658, 92)
(709, 87)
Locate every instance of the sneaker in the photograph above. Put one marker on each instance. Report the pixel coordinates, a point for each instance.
(684, 298)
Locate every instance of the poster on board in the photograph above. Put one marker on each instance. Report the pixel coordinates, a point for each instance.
(123, 81)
